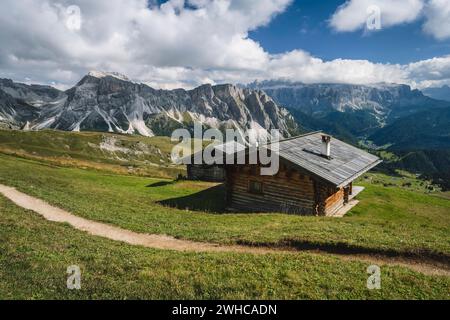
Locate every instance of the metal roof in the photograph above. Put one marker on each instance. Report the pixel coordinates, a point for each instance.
(345, 165)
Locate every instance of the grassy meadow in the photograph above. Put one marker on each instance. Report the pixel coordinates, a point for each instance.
(35, 255)
(396, 216)
(387, 219)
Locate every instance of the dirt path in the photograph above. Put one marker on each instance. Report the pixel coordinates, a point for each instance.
(163, 242)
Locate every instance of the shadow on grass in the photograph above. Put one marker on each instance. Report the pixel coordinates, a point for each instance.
(209, 200)
(341, 248)
(160, 184)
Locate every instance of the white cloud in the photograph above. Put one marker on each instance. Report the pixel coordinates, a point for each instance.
(130, 37)
(438, 19)
(431, 72)
(353, 15)
(301, 66)
(178, 44)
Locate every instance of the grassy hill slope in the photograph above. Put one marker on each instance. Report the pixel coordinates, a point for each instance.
(122, 154)
(397, 216)
(389, 219)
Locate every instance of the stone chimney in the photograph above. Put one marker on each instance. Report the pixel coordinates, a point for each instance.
(326, 146)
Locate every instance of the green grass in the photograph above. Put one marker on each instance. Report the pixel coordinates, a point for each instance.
(388, 219)
(397, 215)
(403, 180)
(134, 154)
(34, 256)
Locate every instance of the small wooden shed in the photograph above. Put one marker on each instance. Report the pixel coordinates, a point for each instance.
(315, 177)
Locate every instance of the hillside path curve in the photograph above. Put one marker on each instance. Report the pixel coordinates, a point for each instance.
(164, 242)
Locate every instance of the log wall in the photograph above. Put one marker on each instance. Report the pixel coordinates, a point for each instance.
(328, 199)
(290, 191)
(211, 173)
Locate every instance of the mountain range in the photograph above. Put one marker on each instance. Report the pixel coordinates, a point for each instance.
(348, 111)
(111, 102)
(391, 117)
(424, 130)
(386, 102)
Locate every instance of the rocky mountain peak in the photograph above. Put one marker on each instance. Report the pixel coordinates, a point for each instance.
(101, 74)
(110, 102)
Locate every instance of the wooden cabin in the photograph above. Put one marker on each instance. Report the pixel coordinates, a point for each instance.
(315, 177)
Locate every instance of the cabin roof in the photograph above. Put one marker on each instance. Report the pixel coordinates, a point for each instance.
(345, 165)
(228, 148)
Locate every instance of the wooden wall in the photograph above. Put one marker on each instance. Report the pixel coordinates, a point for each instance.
(328, 199)
(212, 173)
(290, 191)
(333, 202)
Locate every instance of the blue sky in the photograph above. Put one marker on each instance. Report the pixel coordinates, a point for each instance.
(304, 25)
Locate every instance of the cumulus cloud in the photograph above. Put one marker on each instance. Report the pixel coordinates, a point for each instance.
(120, 34)
(353, 15)
(431, 72)
(301, 66)
(181, 43)
(438, 19)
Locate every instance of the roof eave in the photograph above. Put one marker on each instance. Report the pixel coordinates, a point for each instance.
(359, 174)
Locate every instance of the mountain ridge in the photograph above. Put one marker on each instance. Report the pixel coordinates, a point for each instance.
(384, 101)
(111, 102)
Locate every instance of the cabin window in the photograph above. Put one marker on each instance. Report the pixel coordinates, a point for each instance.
(255, 187)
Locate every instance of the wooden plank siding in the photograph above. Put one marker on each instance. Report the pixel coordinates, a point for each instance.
(290, 191)
(211, 173)
(334, 202)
